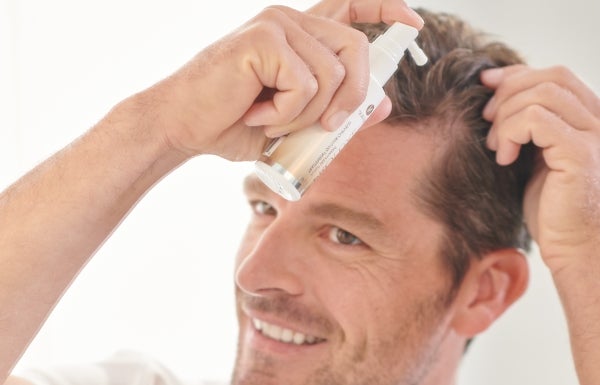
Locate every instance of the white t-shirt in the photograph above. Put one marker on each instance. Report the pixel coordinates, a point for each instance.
(123, 368)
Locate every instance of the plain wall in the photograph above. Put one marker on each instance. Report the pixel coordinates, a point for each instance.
(163, 283)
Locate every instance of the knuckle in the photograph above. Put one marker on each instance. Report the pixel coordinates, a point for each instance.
(359, 38)
(358, 45)
(263, 30)
(336, 73)
(310, 87)
(553, 91)
(548, 90)
(561, 72)
(272, 12)
(536, 112)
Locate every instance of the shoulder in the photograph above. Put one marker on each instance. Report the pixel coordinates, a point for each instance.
(124, 367)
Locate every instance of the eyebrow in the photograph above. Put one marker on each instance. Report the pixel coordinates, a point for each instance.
(346, 214)
(253, 184)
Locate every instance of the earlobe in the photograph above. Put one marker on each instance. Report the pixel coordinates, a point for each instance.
(490, 286)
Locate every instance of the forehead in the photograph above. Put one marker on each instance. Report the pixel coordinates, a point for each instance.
(381, 168)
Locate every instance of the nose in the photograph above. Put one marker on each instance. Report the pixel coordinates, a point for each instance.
(274, 264)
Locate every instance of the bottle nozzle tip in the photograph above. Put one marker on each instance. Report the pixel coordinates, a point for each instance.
(417, 54)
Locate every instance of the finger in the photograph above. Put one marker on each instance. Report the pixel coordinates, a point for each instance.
(387, 11)
(555, 99)
(338, 58)
(367, 11)
(294, 66)
(560, 142)
(380, 113)
(351, 47)
(493, 77)
(354, 57)
(514, 79)
(293, 85)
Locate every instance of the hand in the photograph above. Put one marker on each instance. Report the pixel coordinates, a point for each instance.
(281, 71)
(560, 115)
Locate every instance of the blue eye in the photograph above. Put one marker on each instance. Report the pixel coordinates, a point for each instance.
(343, 237)
(262, 208)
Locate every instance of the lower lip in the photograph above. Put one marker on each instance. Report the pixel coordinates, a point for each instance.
(254, 339)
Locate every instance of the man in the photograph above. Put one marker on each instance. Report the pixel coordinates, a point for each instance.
(403, 250)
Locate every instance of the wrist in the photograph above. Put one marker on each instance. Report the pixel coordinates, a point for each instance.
(138, 121)
(578, 287)
(578, 278)
(132, 149)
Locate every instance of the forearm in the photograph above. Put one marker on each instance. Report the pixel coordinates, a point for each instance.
(54, 218)
(579, 290)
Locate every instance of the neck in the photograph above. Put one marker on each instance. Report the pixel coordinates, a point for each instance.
(444, 367)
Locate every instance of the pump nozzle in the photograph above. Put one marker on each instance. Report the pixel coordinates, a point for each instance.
(417, 54)
(387, 51)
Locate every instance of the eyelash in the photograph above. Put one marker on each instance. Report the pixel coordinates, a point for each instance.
(262, 208)
(334, 232)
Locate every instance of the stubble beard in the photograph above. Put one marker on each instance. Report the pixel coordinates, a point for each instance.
(420, 355)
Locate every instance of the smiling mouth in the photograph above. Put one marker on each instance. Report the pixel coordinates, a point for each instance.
(284, 335)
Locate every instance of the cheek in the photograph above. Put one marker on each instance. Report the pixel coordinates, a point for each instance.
(359, 298)
(376, 301)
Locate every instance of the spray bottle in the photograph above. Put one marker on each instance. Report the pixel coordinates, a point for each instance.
(290, 164)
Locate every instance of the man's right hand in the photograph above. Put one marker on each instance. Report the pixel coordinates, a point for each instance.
(281, 71)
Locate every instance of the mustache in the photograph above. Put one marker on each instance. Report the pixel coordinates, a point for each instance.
(286, 308)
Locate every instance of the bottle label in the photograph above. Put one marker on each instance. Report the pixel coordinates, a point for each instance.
(303, 155)
(340, 137)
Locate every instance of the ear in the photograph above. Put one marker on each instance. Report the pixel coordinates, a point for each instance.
(490, 286)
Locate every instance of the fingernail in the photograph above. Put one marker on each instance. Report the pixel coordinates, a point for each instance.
(275, 135)
(503, 158)
(492, 76)
(275, 131)
(489, 108)
(417, 17)
(492, 141)
(250, 120)
(417, 20)
(336, 120)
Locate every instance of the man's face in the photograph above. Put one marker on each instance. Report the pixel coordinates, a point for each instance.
(346, 285)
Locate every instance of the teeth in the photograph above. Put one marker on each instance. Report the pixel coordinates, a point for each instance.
(272, 331)
(284, 335)
(299, 338)
(287, 335)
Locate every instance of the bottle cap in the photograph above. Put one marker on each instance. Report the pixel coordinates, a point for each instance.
(396, 39)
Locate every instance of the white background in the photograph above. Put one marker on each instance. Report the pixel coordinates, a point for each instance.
(163, 283)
